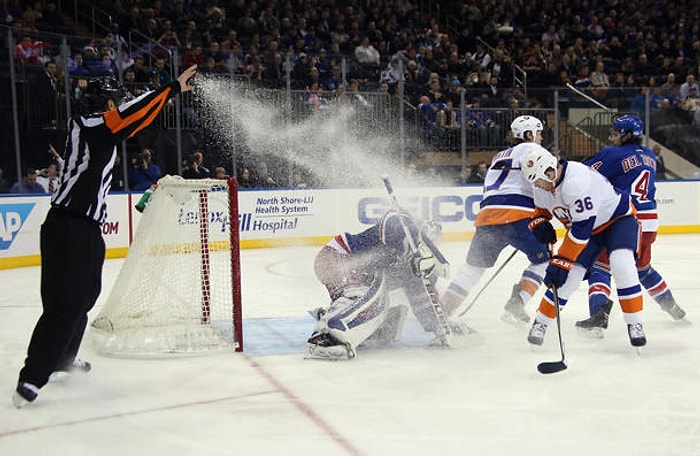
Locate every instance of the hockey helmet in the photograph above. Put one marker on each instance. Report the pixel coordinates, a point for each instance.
(629, 123)
(521, 124)
(535, 164)
(99, 90)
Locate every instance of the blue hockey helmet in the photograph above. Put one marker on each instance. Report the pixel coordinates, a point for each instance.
(629, 123)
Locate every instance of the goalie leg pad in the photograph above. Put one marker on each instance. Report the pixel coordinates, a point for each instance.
(350, 320)
(390, 330)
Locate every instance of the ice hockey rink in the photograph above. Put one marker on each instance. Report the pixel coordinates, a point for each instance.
(486, 399)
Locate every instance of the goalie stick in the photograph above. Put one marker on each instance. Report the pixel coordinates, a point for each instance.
(444, 331)
(552, 367)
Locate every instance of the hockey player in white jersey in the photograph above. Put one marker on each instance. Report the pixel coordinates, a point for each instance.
(506, 218)
(360, 270)
(597, 217)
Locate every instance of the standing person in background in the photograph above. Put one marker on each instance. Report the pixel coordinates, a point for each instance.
(72, 247)
(48, 178)
(660, 165)
(143, 172)
(507, 218)
(629, 166)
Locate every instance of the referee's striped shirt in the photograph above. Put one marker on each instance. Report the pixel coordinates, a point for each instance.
(91, 151)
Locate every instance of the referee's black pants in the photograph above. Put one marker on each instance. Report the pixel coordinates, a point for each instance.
(72, 256)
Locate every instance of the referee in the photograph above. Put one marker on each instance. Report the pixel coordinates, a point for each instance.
(72, 247)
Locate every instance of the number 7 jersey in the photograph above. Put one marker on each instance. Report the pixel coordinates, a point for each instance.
(507, 196)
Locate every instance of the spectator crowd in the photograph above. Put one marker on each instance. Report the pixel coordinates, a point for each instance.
(618, 53)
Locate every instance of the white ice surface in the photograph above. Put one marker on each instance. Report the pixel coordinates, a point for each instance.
(485, 400)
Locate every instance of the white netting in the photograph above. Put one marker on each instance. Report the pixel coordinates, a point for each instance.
(174, 293)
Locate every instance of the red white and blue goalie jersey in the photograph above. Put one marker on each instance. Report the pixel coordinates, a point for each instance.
(388, 232)
(585, 202)
(507, 195)
(632, 168)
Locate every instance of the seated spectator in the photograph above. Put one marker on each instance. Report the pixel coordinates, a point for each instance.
(143, 173)
(28, 183)
(27, 51)
(670, 87)
(194, 167)
(369, 59)
(162, 71)
(263, 179)
(479, 173)
(220, 173)
(482, 131)
(600, 81)
(686, 88)
(245, 181)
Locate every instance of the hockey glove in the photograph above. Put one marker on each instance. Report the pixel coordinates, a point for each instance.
(557, 271)
(424, 263)
(543, 230)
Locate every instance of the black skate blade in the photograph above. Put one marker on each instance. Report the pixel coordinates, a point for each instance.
(551, 367)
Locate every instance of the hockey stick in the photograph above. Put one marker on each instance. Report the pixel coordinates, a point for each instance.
(493, 277)
(552, 367)
(444, 329)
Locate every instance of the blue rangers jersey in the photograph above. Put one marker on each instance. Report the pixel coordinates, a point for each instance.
(632, 168)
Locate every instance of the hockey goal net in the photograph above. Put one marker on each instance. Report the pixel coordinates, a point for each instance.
(178, 291)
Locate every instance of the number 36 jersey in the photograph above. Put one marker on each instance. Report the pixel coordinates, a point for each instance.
(585, 202)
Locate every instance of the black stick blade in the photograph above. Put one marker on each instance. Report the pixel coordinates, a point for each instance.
(551, 367)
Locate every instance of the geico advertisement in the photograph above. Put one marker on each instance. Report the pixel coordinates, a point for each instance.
(294, 213)
(21, 218)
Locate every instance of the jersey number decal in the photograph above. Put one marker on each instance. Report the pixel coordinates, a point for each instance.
(582, 205)
(640, 186)
(505, 170)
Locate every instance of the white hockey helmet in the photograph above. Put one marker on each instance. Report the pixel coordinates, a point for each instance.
(521, 124)
(534, 165)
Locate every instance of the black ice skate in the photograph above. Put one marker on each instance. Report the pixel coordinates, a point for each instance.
(595, 325)
(637, 336)
(24, 394)
(537, 331)
(515, 309)
(668, 304)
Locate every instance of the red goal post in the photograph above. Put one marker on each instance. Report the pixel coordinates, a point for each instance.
(179, 288)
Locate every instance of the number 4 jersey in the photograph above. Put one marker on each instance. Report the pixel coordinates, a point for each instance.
(632, 168)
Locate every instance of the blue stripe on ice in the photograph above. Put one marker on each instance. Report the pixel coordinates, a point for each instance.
(281, 336)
